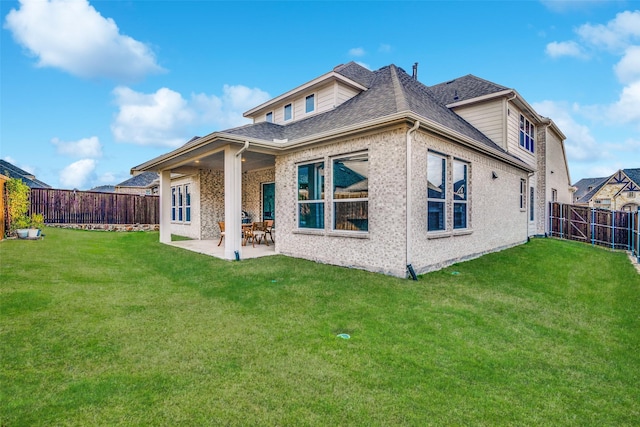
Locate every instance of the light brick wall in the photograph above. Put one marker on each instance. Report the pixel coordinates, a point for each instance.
(382, 249)
(495, 218)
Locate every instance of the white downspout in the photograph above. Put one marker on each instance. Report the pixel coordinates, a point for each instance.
(243, 149)
(408, 254)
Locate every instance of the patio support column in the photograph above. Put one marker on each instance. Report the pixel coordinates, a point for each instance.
(165, 206)
(232, 202)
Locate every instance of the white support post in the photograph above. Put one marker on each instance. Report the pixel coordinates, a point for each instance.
(165, 206)
(232, 202)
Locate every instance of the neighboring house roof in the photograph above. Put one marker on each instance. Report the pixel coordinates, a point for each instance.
(587, 187)
(142, 180)
(464, 88)
(104, 189)
(12, 171)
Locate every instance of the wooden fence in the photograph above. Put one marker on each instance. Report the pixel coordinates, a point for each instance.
(87, 207)
(603, 227)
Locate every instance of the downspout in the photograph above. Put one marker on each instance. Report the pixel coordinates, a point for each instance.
(416, 124)
(243, 149)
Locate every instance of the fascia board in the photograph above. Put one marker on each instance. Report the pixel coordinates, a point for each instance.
(325, 78)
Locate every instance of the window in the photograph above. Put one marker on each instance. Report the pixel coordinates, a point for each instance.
(180, 203)
(459, 194)
(527, 132)
(554, 195)
(532, 195)
(309, 104)
(523, 192)
(173, 203)
(269, 117)
(187, 203)
(351, 192)
(288, 112)
(631, 194)
(311, 195)
(436, 192)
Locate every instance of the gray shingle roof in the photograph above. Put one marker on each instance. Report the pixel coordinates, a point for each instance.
(12, 171)
(391, 90)
(141, 180)
(463, 88)
(633, 174)
(587, 187)
(355, 72)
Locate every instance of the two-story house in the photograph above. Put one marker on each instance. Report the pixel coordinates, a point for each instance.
(373, 170)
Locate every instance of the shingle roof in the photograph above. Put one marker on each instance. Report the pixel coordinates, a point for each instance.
(463, 88)
(587, 187)
(391, 90)
(633, 174)
(355, 72)
(104, 189)
(12, 171)
(141, 180)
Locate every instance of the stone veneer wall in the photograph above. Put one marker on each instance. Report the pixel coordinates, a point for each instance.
(212, 197)
(382, 249)
(494, 215)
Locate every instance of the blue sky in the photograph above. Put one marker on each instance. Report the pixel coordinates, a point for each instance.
(89, 89)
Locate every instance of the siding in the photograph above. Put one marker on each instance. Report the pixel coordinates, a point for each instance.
(513, 137)
(488, 118)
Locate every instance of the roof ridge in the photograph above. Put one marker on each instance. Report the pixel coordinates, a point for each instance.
(402, 104)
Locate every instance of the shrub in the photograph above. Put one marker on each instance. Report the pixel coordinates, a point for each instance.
(17, 204)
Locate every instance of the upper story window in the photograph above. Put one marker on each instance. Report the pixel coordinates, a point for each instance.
(269, 117)
(288, 112)
(351, 192)
(311, 195)
(527, 134)
(310, 103)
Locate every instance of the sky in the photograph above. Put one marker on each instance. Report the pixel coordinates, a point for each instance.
(90, 89)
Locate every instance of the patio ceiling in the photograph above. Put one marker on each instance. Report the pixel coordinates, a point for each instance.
(250, 161)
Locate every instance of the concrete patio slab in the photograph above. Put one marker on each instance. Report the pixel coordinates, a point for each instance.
(211, 248)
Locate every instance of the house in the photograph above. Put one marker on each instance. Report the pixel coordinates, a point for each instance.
(143, 184)
(620, 191)
(28, 178)
(104, 189)
(373, 170)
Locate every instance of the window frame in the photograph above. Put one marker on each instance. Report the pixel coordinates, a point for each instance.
(465, 201)
(306, 103)
(532, 205)
(187, 203)
(269, 117)
(173, 204)
(336, 201)
(288, 106)
(523, 194)
(527, 133)
(438, 200)
(318, 201)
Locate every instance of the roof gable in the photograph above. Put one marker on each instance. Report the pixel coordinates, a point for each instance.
(12, 171)
(464, 88)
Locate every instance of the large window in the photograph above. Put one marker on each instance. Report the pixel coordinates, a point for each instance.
(436, 192)
(288, 112)
(527, 134)
(310, 104)
(460, 194)
(351, 192)
(311, 195)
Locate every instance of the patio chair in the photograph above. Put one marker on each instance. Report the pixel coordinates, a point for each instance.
(258, 231)
(247, 233)
(221, 225)
(268, 231)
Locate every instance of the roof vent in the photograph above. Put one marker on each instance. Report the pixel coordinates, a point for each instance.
(455, 95)
(415, 71)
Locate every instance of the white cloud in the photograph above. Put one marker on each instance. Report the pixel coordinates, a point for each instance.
(628, 69)
(78, 174)
(83, 148)
(627, 108)
(617, 34)
(580, 143)
(357, 51)
(74, 37)
(384, 48)
(107, 178)
(165, 118)
(570, 48)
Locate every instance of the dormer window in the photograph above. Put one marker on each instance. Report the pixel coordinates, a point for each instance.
(269, 117)
(288, 112)
(310, 103)
(527, 134)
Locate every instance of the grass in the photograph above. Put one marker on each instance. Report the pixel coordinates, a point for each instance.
(110, 329)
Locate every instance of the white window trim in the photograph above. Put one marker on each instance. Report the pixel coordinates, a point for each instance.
(266, 117)
(449, 200)
(523, 195)
(468, 194)
(315, 201)
(284, 112)
(177, 207)
(332, 200)
(527, 123)
(315, 103)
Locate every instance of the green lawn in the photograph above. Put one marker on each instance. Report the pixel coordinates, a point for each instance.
(111, 329)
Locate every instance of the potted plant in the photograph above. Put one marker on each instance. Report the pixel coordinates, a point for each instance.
(36, 222)
(21, 226)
